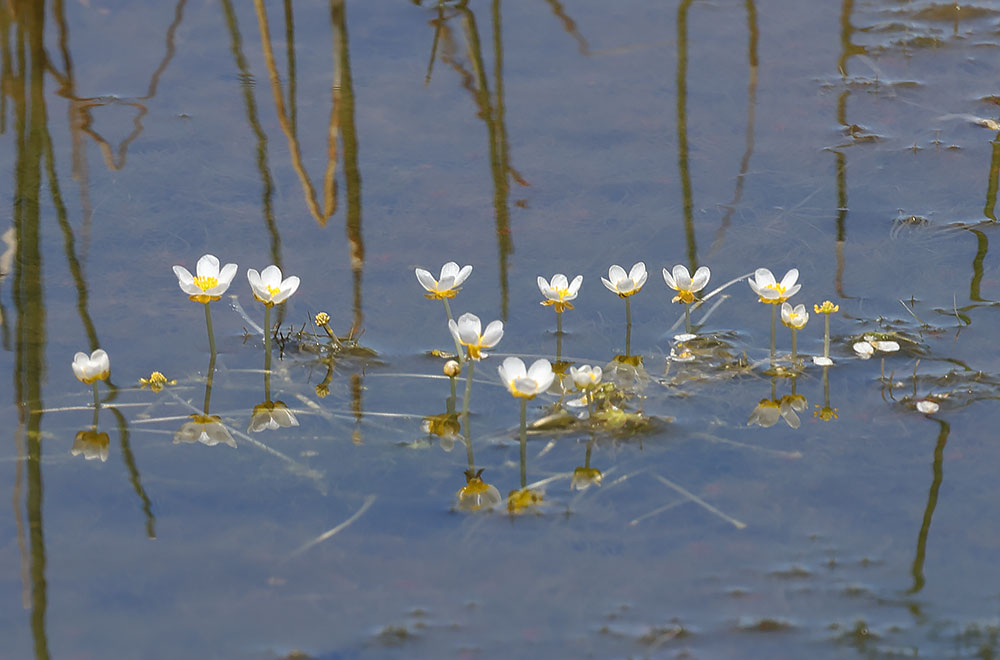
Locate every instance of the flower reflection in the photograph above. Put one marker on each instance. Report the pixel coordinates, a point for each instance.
(156, 382)
(523, 499)
(769, 411)
(445, 425)
(271, 415)
(585, 477)
(91, 444)
(476, 494)
(206, 429)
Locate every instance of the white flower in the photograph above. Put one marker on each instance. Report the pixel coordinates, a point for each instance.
(526, 383)
(685, 285)
(928, 407)
(467, 332)
(685, 336)
(560, 291)
(91, 444)
(206, 429)
(821, 361)
(770, 291)
(586, 376)
(210, 283)
(870, 344)
(271, 415)
(625, 284)
(92, 368)
(445, 286)
(269, 288)
(794, 317)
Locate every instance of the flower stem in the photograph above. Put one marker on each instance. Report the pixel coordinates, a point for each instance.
(458, 347)
(211, 358)
(559, 335)
(774, 323)
(267, 352)
(687, 318)
(628, 327)
(451, 399)
(465, 405)
(524, 442)
(97, 404)
(211, 334)
(795, 352)
(826, 337)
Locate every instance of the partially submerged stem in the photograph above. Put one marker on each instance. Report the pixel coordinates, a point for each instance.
(211, 359)
(97, 404)
(774, 323)
(458, 347)
(826, 337)
(524, 442)
(628, 327)
(267, 352)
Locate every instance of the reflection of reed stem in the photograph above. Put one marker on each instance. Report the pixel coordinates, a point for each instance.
(925, 526)
(524, 442)
(133, 471)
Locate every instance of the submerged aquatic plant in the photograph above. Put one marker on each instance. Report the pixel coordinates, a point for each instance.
(686, 286)
(626, 285)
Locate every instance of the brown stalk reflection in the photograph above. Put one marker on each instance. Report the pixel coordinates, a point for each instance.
(753, 35)
(847, 50)
(492, 111)
(925, 526)
(683, 157)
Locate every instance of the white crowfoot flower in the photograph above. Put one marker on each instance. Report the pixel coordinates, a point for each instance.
(526, 383)
(269, 288)
(794, 317)
(467, 331)
(209, 283)
(771, 291)
(447, 285)
(681, 281)
(89, 369)
(625, 284)
(560, 291)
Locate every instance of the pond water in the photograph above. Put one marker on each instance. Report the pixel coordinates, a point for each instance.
(735, 509)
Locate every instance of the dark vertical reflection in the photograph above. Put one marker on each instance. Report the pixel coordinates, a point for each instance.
(250, 102)
(991, 188)
(925, 526)
(982, 247)
(492, 111)
(751, 113)
(847, 49)
(570, 26)
(349, 135)
(28, 95)
(682, 138)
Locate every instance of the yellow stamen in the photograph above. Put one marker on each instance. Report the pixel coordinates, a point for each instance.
(684, 296)
(205, 283)
(440, 295)
(273, 291)
(826, 308)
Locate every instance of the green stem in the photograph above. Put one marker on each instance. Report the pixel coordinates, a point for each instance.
(211, 334)
(774, 323)
(97, 404)
(795, 352)
(687, 318)
(826, 387)
(524, 442)
(267, 352)
(628, 327)
(465, 405)
(211, 358)
(559, 336)
(826, 337)
(458, 347)
(451, 399)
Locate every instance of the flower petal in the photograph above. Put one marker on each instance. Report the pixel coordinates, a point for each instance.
(669, 279)
(493, 334)
(700, 279)
(616, 273)
(638, 273)
(450, 269)
(289, 286)
(426, 279)
(790, 278)
(574, 286)
(208, 266)
(463, 275)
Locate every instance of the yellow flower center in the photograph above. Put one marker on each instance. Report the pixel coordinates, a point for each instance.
(272, 291)
(683, 295)
(205, 283)
(442, 294)
(826, 308)
(475, 352)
